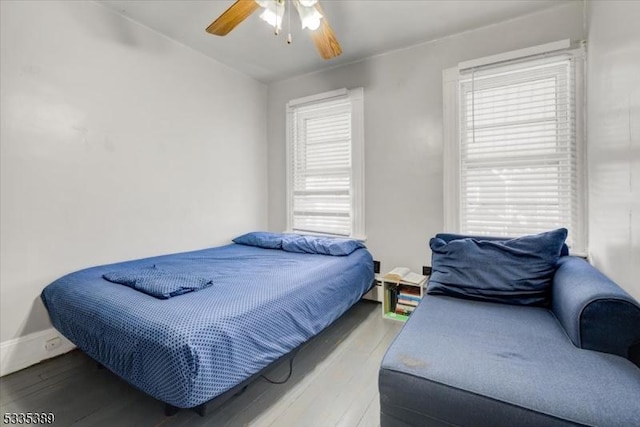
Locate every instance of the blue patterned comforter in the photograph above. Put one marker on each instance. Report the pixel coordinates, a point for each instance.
(188, 349)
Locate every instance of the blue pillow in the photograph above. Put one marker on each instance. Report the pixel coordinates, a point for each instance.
(517, 271)
(450, 236)
(320, 245)
(261, 239)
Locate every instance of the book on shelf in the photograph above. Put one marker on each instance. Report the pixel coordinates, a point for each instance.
(412, 291)
(403, 274)
(411, 303)
(404, 309)
(391, 298)
(405, 306)
(409, 292)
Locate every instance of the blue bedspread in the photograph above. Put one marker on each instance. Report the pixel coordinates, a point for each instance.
(191, 348)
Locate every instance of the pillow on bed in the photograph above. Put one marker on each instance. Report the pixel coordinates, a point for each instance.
(261, 239)
(320, 245)
(516, 271)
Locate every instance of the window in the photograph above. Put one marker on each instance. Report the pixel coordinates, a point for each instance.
(514, 150)
(325, 164)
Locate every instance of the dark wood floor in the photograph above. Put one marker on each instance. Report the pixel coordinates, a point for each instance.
(334, 383)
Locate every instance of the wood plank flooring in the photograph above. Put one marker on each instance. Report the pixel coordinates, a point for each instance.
(334, 383)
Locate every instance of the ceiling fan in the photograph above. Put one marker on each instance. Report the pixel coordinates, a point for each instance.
(311, 17)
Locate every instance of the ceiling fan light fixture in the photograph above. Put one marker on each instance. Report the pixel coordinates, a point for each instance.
(310, 12)
(308, 3)
(273, 12)
(309, 16)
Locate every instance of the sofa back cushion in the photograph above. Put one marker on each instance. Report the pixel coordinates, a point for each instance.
(515, 271)
(447, 237)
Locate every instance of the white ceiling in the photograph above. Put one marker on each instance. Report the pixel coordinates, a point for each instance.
(363, 27)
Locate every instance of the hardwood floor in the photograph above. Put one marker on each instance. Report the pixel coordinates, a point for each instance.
(334, 383)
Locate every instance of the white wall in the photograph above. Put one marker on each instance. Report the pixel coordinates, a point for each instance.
(117, 143)
(403, 128)
(614, 140)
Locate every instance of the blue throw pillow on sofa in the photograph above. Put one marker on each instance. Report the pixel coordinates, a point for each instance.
(516, 271)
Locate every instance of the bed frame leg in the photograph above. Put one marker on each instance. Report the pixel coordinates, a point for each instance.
(205, 407)
(201, 409)
(170, 410)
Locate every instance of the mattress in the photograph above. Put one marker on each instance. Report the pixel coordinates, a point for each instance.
(188, 349)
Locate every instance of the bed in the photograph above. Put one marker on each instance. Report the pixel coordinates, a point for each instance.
(263, 300)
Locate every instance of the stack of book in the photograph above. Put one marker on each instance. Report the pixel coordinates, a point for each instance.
(408, 299)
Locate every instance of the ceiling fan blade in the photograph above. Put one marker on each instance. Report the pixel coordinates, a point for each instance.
(238, 12)
(325, 39)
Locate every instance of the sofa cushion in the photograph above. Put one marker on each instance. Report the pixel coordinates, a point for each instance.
(515, 271)
(463, 362)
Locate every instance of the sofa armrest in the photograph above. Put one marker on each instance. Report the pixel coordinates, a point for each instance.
(595, 312)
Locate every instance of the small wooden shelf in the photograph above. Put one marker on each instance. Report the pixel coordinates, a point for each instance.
(392, 291)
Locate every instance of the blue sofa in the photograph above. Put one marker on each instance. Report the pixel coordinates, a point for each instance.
(473, 363)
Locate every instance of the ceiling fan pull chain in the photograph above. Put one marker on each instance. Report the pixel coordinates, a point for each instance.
(276, 27)
(289, 22)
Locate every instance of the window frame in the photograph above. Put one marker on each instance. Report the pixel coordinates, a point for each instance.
(451, 151)
(357, 189)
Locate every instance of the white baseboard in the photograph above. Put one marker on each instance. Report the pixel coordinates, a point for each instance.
(19, 353)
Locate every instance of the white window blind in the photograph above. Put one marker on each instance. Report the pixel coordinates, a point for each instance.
(518, 159)
(323, 193)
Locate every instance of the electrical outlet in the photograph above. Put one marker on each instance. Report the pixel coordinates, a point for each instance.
(52, 344)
